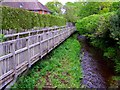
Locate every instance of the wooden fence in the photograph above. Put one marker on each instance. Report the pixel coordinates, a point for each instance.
(30, 33)
(18, 54)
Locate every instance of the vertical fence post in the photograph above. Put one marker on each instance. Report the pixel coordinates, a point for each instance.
(14, 61)
(1, 32)
(68, 32)
(41, 49)
(39, 40)
(53, 38)
(1, 50)
(48, 40)
(43, 37)
(37, 36)
(18, 36)
(60, 35)
(28, 47)
(65, 33)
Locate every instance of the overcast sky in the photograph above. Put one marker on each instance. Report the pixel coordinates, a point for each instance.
(62, 1)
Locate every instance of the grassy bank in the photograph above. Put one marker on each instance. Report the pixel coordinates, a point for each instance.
(60, 69)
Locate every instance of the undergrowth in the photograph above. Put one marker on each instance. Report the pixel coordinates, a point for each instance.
(60, 69)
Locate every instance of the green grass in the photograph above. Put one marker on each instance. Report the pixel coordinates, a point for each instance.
(60, 69)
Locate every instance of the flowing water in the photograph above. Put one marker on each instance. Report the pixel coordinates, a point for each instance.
(96, 73)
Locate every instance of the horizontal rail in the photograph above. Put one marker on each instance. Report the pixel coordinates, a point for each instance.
(29, 33)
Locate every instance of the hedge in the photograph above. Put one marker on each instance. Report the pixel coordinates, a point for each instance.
(14, 18)
(93, 23)
(103, 31)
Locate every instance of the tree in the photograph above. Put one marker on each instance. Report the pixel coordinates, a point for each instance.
(55, 7)
(90, 8)
(115, 6)
(71, 9)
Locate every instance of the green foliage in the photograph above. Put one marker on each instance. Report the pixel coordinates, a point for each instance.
(110, 52)
(22, 19)
(98, 42)
(90, 8)
(115, 34)
(117, 61)
(94, 24)
(62, 64)
(116, 78)
(2, 38)
(71, 13)
(36, 20)
(103, 30)
(54, 7)
(87, 24)
(115, 27)
(115, 6)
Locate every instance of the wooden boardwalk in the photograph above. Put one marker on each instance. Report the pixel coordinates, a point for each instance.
(24, 49)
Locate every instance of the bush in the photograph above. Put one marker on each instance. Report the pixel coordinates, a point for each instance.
(104, 33)
(115, 27)
(115, 34)
(110, 52)
(96, 27)
(17, 19)
(115, 6)
(88, 24)
(117, 61)
(94, 24)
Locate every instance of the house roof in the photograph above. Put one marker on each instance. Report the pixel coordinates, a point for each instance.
(43, 7)
(25, 4)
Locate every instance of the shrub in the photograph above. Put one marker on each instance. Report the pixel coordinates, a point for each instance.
(117, 61)
(115, 27)
(115, 6)
(98, 42)
(115, 34)
(110, 52)
(17, 19)
(104, 33)
(88, 24)
(94, 24)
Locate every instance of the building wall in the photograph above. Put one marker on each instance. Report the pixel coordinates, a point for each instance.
(43, 12)
(40, 12)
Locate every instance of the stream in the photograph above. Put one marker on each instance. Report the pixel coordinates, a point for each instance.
(96, 73)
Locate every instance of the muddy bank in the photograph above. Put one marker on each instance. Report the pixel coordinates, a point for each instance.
(97, 73)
